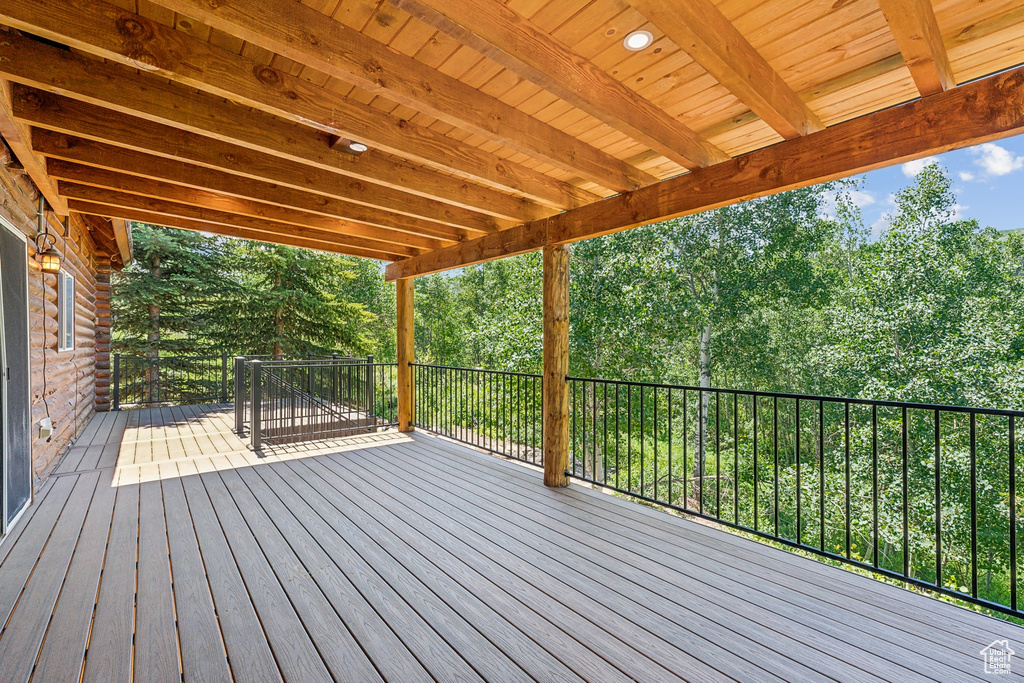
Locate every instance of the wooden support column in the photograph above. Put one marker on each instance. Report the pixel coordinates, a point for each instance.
(556, 365)
(406, 407)
(102, 348)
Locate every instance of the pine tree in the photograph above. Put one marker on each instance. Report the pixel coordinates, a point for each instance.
(162, 302)
(292, 301)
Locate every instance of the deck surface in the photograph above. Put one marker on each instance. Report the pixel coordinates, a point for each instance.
(162, 548)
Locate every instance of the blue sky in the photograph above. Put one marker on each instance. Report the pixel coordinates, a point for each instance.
(988, 181)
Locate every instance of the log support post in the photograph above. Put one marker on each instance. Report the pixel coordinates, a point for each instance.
(406, 408)
(556, 365)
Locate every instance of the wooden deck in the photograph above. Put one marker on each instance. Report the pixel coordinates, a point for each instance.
(161, 548)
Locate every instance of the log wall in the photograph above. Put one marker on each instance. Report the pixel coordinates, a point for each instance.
(64, 383)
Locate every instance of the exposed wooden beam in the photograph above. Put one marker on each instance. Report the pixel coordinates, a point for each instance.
(406, 355)
(152, 98)
(988, 109)
(116, 34)
(313, 39)
(917, 35)
(703, 32)
(63, 115)
(95, 195)
(123, 237)
(17, 136)
(80, 176)
(494, 30)
(169, 221)
(89, 156)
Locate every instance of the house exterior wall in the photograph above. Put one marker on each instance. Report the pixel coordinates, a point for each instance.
(64, 383)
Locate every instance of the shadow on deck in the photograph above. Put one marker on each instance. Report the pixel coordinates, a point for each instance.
(162, 547)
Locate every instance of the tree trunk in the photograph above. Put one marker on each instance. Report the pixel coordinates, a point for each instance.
(278, 324)
(705, 383)
(152, 391)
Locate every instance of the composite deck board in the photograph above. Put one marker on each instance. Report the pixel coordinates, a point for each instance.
(162, 548)
(679, 551)
(156, 639)
(397, 610)
(661, 574)
(709, 545)
(62, 651)
(523, 634)
(625, 603)
(18, 648)
(203, 655)
(296, 654)
(109, 657)
(247, 647)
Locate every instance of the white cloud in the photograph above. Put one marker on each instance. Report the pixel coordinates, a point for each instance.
(912, 168)
(861, 198)
(966, 176)
(996, 160)
(879, 226)
(959, 211)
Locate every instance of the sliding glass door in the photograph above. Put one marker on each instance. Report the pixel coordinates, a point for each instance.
(15, 431)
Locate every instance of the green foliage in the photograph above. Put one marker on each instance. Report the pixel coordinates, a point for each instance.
(168, 298)
(187, 293)
(292, 301)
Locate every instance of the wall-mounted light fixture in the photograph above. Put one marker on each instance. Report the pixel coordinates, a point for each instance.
(46, 255)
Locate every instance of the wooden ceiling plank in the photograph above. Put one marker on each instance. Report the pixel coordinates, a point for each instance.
(86, 158)
(492, 29)
(123, 238)
(76, 175)
(985, 110)
(19, 139)
(107, 31)
(703, 32)
(85, 120)
(96, 195)
(107, 211)
(917, 35)
(303, 34)
(152, 98)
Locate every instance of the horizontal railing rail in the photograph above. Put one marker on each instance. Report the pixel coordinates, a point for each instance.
(497, 411)
(926, 494)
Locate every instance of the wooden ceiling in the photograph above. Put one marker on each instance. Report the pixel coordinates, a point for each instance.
(492, 127)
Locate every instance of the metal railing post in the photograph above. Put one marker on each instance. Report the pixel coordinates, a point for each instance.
(370, 397)
(240, 396)
(223, 376)
(116, 382)
(334, 378)
(257, 405)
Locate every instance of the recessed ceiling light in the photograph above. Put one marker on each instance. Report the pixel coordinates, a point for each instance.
(357, 147)
(638, 40)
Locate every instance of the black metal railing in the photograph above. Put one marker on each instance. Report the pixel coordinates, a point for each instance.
(497, 411)
(925, 494)
(139, 380)
(309, 400)
(145, 380)
(242, 377)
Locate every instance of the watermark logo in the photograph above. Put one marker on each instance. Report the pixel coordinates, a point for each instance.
(997, 657)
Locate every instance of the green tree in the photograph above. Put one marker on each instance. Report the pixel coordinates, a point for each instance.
(293, 301)
(163, 302)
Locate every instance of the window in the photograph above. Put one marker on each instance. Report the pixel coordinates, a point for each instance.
(65, 311)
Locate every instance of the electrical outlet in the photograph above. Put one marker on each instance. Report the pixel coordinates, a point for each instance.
(45, 428)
